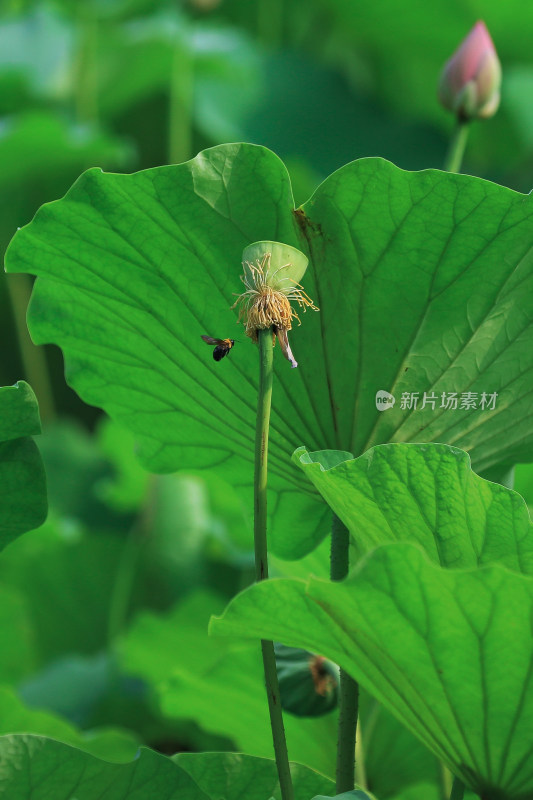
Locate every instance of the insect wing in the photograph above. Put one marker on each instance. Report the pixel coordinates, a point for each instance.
(210, 340)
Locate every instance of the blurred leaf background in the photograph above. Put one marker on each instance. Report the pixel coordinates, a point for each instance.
(132, 84)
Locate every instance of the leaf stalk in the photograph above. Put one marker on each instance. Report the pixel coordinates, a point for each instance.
(349, 689)
(180, 104)
(266, 374)
(456, 150)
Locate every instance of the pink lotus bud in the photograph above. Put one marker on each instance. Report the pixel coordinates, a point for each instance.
(470, 81)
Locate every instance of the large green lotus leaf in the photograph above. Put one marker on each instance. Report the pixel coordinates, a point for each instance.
(35, 768)
(196, 677)
(424, 283)
(425, 494)
(23, 503)
(161, 378)
(449, 652)
(436, 270)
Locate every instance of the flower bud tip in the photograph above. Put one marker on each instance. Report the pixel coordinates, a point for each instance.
(471, 79)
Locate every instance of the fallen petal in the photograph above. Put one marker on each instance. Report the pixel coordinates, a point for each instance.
(285, 346)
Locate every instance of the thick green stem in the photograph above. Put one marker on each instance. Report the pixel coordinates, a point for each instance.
(456, 150)
(458, 790)
(266, 374)
(349, 689)
(266, 359)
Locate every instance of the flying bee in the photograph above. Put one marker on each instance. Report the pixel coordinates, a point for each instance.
(222, 346)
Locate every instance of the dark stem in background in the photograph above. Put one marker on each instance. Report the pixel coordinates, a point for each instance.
(86, 67)
(266, 374)
(349, 689)
(180, 103)
(34, 360)
(458, 790)
(456, 150)
(122, 593)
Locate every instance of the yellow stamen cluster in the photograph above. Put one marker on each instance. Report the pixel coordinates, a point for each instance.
(262, 306)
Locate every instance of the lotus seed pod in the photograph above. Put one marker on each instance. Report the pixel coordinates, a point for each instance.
(308, 683)
(271, 275)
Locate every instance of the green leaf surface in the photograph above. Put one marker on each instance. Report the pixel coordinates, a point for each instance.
(127, 488)
(72, 686)
(449, 652)
(34, 768)
(524, 482)
(233, 776)
(220, 685)
(426, 495)
(424, 282)
(109, 743)
(19, 412)
(387, 741)
(356, 794)
(23, 504)
(66, 577)
(76, 472)
(423, 791)
(433, 307)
